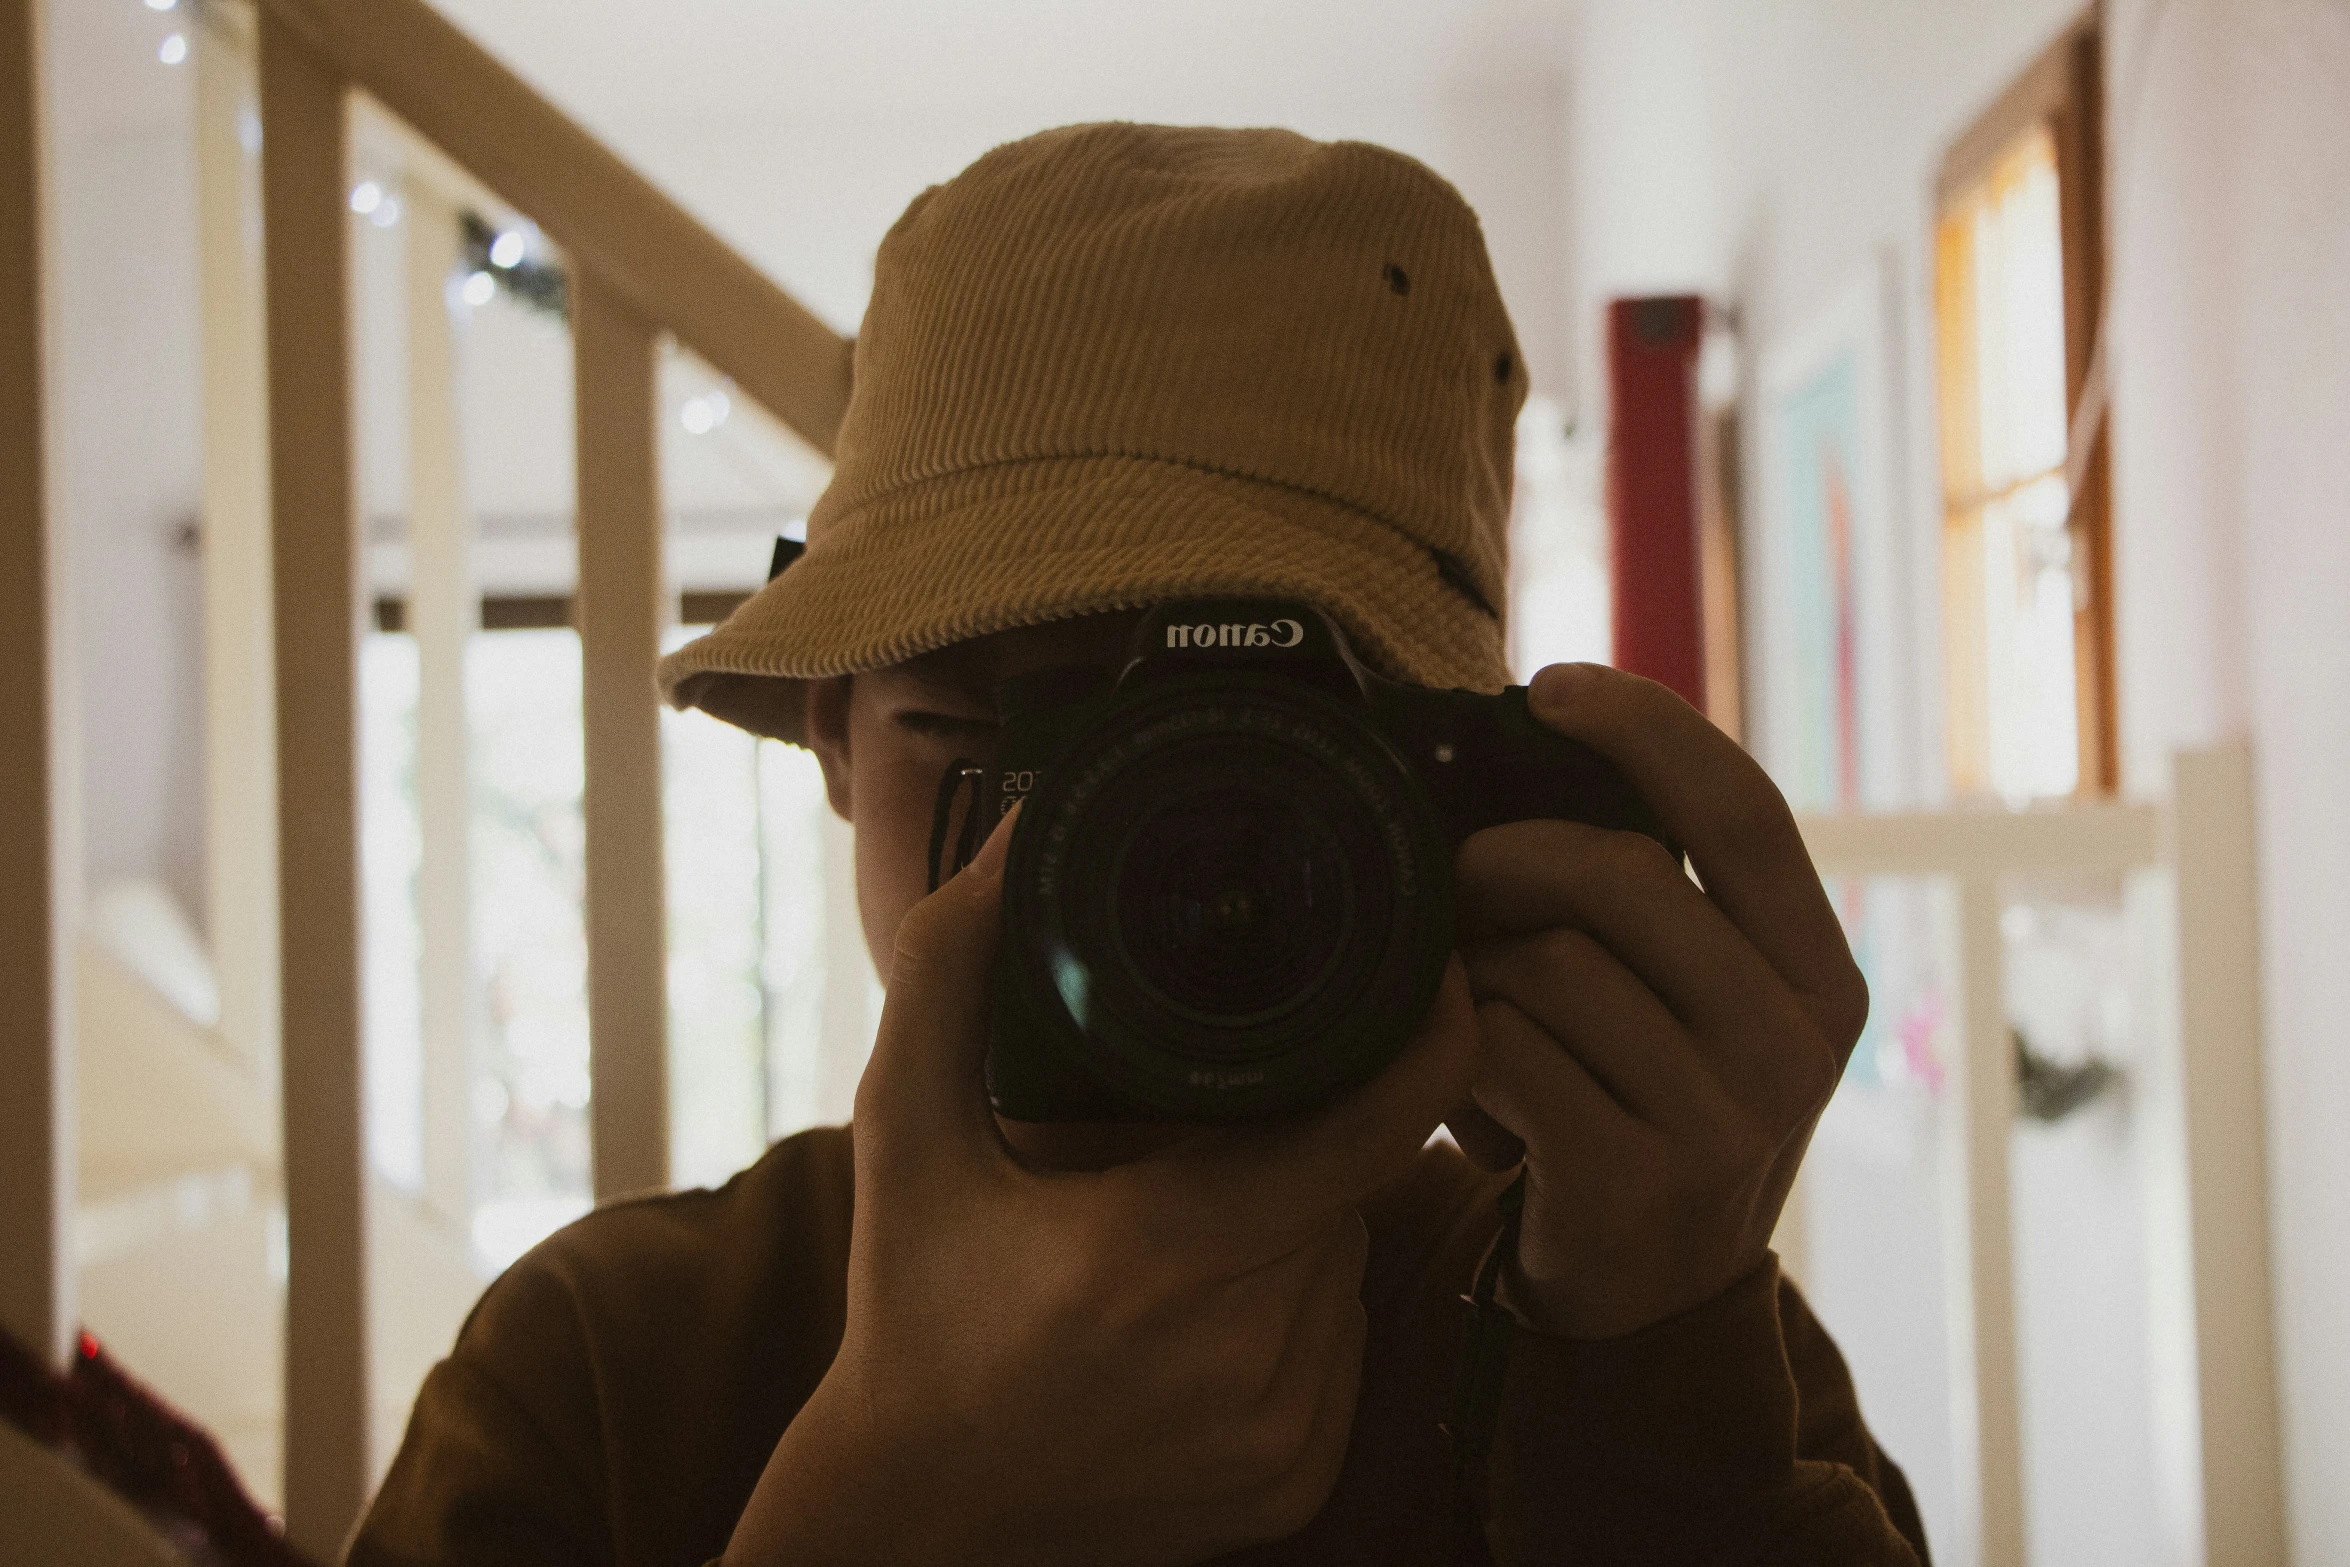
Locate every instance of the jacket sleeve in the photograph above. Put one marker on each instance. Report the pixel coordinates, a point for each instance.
(1729, 1434)
(500, 1463)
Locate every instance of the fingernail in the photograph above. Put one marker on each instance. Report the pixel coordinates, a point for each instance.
(990, 858)
(1558, 687)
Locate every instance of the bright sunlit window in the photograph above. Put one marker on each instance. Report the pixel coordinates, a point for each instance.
(757, 1048)
(2025, 591)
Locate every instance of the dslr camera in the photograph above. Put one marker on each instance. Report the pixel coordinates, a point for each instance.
(1229, 895)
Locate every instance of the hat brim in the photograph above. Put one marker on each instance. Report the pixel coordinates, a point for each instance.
(1017, 544)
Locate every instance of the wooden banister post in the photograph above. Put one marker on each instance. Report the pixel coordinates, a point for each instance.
(609, 219)
(2223, 1135)
(444, 610)
(37, 859)
(240, 747)
(315, 558)
(620, 614)
(1978, 1248)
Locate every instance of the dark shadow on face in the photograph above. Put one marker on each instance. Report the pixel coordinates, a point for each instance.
(886, 737)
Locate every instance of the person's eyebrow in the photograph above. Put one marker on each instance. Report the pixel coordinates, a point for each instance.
(949, 679)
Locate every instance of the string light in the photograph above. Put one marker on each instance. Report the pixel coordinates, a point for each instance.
(479, 289)
(705, 413)
(174, 50)
(508, 249)
(366, 196)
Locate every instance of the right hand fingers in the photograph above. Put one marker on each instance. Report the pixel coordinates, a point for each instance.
(1264, 1188)
(1723, 808)
(923, 1094)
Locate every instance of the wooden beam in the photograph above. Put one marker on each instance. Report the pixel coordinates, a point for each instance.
(2225, 1158)
(315, 538)
(2100, 840)
(240, 726)
(2033, 98)
(614, 224)
(444, 611)
(620, 622)
(1978, 1243)
(2079, 127)
(847, 1030)
(36, 1053)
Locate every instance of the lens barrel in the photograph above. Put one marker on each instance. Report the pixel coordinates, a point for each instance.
(1235, 892)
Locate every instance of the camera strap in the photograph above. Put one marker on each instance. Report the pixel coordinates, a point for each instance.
(1476, 1390)
(960, 771)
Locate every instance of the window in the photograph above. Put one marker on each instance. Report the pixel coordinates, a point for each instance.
(2027, 577)
(771, 1000)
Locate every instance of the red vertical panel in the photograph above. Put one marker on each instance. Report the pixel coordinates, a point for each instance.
(1652, 490)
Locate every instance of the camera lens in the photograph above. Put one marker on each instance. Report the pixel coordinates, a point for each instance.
(1236, 893)
(1233, 905)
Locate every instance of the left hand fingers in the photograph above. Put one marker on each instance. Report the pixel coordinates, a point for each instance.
(1722, 807)
(1720, 1002)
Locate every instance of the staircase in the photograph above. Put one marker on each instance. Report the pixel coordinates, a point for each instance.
(197, 1133)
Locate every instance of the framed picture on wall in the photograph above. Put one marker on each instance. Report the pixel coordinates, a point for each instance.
(1828, 655)
(1833, 622)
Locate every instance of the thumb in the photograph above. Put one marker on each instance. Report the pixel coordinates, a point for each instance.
(924, 1090)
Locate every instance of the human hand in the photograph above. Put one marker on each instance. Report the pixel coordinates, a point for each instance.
(1658, 1053)
(1153, 1363)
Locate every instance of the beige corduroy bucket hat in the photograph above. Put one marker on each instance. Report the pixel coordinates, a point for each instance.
(1109, 365)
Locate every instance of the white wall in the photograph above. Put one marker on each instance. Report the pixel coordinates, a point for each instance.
(124, 380)
(2232, 461)
(1803, 155)
(1779, 158)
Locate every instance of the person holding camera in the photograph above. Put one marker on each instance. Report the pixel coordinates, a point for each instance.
(1162, 568)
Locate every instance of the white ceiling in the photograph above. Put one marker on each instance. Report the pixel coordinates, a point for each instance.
(783, 61)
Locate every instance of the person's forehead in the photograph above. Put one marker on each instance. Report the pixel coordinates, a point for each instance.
(978, 666)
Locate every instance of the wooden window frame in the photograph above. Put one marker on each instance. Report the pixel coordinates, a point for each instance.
(2064, 90)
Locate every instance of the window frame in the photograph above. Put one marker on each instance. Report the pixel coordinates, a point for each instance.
(2062, 90)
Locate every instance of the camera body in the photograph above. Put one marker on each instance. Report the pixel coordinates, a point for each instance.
(1229, 895)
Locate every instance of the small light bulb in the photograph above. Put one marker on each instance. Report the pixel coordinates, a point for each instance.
(479, 289)
(507, 249)
(366, 196)
(162, 5)
(697, 417)
(174, 50)
(386, 214)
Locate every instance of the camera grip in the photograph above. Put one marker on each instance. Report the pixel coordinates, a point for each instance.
(1487, 760)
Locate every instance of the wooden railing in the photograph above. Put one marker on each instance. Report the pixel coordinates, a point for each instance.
(36, 871)
(281, 521)
(639, 268)
(2187, 872)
